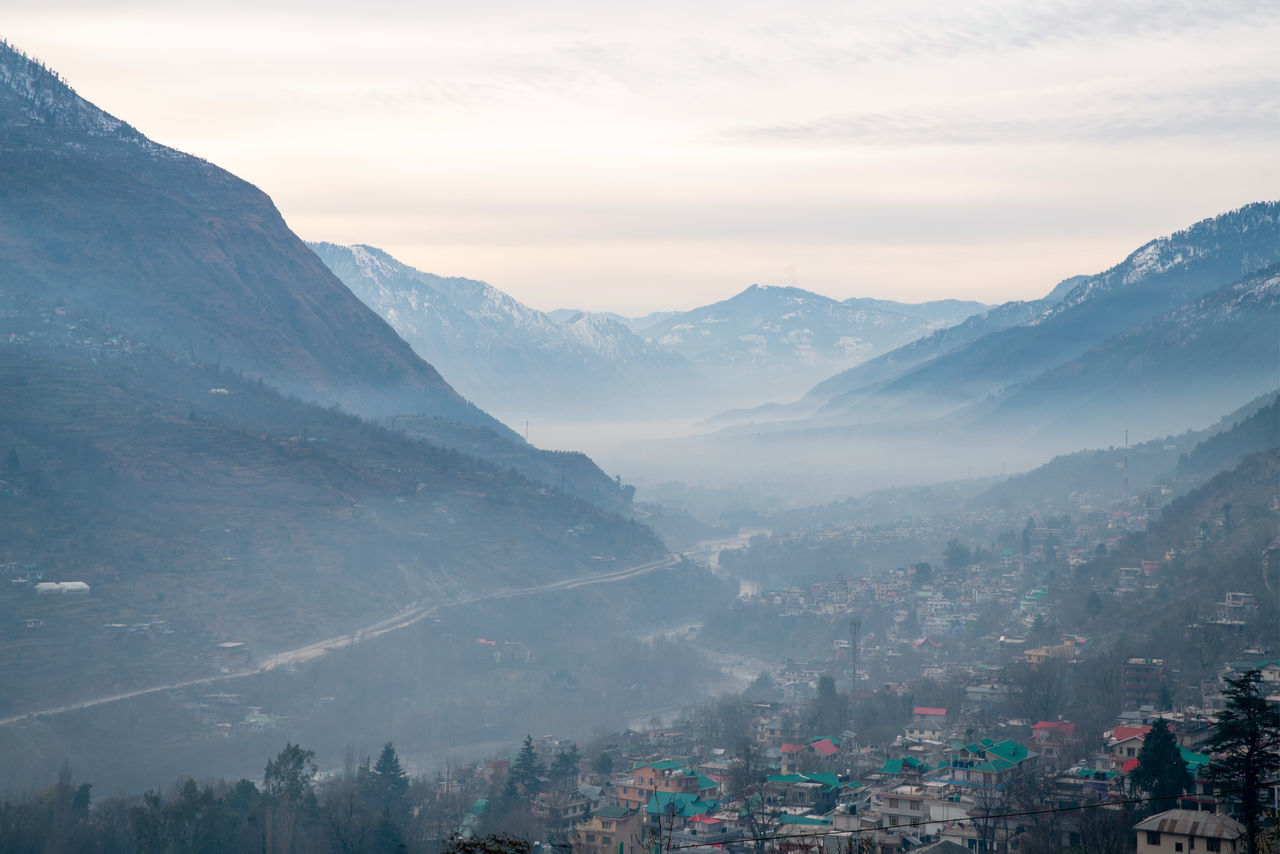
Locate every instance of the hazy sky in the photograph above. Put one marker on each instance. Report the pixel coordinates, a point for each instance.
(634, 157)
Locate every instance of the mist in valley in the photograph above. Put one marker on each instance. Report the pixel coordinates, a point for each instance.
(333, 545)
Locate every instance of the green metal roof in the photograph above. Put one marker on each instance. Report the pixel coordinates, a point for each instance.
(788, 818)
(686, 804)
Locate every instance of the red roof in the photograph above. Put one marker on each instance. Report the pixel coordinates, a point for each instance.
(794, 748)
(1130, 765)
(1063, 726)
(929, 712)
(825, 748)
(1123, 733)
(704, 819)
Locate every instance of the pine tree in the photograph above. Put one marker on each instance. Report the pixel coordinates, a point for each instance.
(1162, 772)
(1246, 742)
(386, 784)
(527, 771)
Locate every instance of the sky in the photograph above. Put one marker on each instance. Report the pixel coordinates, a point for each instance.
(640, 157)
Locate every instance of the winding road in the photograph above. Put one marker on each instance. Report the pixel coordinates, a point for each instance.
(416, 612)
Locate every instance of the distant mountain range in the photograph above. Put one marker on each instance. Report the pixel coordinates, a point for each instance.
(1167, 274)
(1184, 327)
(503, 354)
(568, 363)
(766, 340)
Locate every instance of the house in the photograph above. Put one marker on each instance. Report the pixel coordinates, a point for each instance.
(612, 830)
(559, 810)
(1065, 651)
(791, 756)
(664, 808)
(1051, 738)
(1175, 831)
(1124, 742)
(1141, 680)
(924, 729)
(668, 776)
(810, 790)
(990, 764)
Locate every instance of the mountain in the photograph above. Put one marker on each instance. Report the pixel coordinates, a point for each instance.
(840, 391)
(174, 250)
(771, 341)
(1101, 477)
(504, 354)
(1206, 355)
(1158, 277)
(177, 371)
(1183, 328)
(170, 250)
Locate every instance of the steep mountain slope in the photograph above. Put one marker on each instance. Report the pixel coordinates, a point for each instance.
(1206, 355)
(503, 354)
(1175, 463)
(177, 251)
(191, 495)
(772, 341)
(1160, 276)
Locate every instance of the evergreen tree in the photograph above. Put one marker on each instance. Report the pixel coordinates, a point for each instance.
(527, 771)
(385, 785)
(1246, 742)
(565, 767)
(1162, 773)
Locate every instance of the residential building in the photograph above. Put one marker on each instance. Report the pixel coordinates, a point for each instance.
(612, 830)
(1184, 831)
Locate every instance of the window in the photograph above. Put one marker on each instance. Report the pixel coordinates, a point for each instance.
(1212, 844)
(1153, 838)
(1177, 846)
(893, 803)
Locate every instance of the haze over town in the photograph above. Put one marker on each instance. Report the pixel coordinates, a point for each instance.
(717, 428)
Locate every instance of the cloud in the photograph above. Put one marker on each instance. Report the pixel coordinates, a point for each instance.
(1236, 109)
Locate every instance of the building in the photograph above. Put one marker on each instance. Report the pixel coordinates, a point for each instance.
(667, 776)
(1141, 680)
(612, 830)
(1184, 831)
(66, 588)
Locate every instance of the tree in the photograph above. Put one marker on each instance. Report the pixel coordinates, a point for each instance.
(494, 843)
(289, 774)
(603, 764)
(565, 767)
(1245, 741)
(287, 784)
(923, 573)
(829, 710)
(761, 815)
(527, 771)
(384, 785)
(1161, 773)
(956, 555)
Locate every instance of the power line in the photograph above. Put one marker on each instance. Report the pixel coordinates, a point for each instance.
(974, 820)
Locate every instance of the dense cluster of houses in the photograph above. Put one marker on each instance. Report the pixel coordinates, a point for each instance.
(937, 787)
